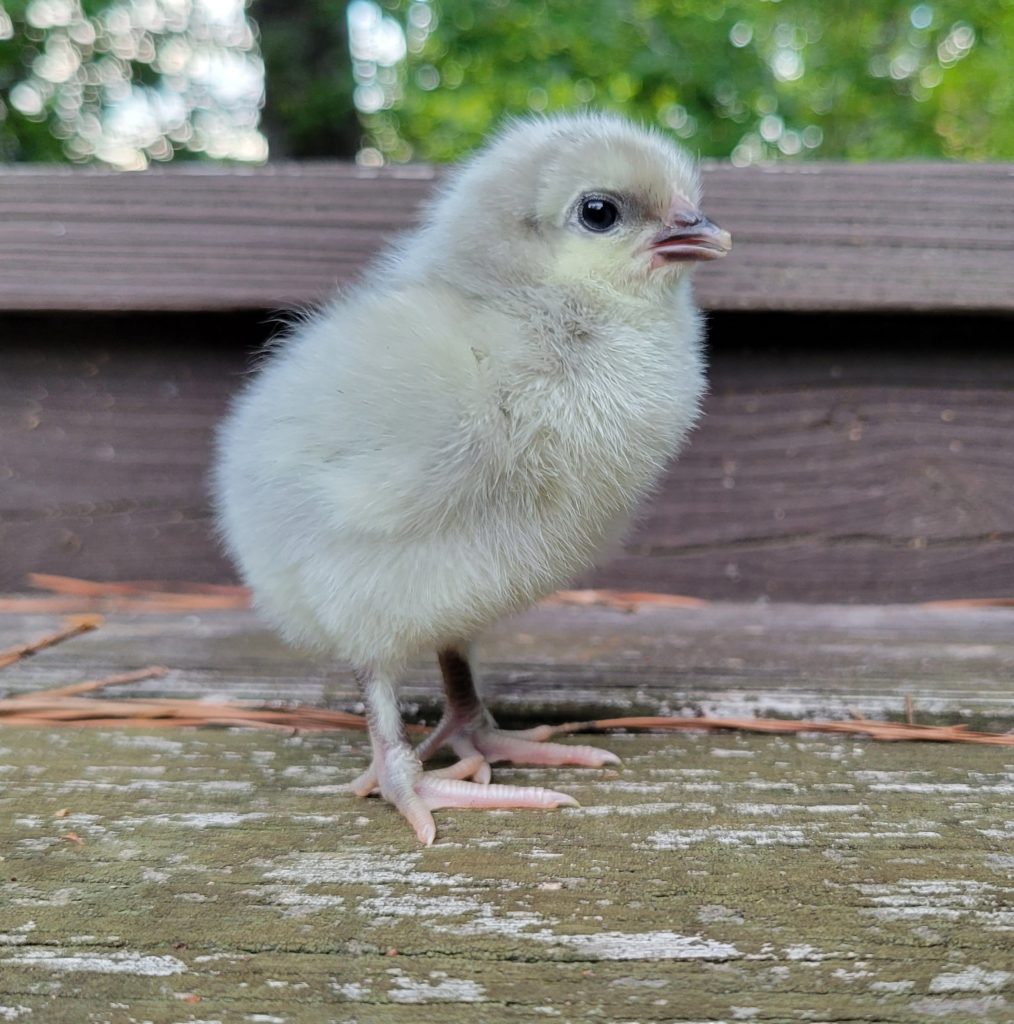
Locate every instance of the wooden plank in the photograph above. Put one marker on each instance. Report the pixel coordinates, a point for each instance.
(809, 237)
(782, 660)
(219, 875)
(841, 471)
(226, 877)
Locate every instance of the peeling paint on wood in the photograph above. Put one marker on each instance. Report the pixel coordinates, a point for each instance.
(708, 879)
(226, 876)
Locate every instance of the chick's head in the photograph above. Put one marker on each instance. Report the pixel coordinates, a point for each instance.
(585, 200)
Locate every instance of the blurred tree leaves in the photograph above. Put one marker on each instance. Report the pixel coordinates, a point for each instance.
(749, 79)
(129, 81)
(125, 82)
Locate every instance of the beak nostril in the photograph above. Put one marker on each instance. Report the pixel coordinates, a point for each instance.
(682, 214)
(686, 219)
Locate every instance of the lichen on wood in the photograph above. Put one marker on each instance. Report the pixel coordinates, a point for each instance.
(710, 878)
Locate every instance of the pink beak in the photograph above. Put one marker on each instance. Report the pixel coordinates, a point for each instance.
(687, 236)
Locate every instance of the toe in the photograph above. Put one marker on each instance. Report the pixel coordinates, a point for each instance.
(466, 749)
(425, 829)
(467, 768)
(537, 733)
(508, 746)
(416, 812)
(593, 756)
(366, 783)
(441, 793)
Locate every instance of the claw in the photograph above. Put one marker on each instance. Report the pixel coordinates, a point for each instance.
(433, 793)
(365, 784)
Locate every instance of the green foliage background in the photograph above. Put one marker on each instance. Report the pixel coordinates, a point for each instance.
(752, 80)
(880, 79)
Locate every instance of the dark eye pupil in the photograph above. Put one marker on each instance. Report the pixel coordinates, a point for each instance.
(598, 214)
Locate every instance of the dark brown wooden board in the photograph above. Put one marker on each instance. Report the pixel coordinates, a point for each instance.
(839, 459)
(807, 237)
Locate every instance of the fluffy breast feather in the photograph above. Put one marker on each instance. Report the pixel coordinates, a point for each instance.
(408, 468)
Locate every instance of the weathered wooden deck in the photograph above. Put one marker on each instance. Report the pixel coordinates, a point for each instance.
(224, 875)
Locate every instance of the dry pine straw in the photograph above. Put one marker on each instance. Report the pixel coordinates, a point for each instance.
(68, 705)
(66, 594)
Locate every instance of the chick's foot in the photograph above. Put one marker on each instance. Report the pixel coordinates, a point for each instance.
(470, 730)
(416, 794)
(479, 737)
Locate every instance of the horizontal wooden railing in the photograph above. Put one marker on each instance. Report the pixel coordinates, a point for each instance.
(860, 458)
(808, 238)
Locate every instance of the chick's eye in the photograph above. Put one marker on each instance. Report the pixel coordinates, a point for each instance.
(598, 214)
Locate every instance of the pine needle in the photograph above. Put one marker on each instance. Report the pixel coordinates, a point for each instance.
(68, 706)
(970, 603)
(67, 594)
(623, 600)
(92, 588)
(890, 731)
(137, 676)
(74, 627)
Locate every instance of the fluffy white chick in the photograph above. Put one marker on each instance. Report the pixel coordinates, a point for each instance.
(470, 427)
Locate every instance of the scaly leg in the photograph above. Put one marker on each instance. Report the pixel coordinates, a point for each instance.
(469, 729)
(397, 771)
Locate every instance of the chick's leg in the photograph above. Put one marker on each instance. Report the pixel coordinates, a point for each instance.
(397, 771)
(470, 730)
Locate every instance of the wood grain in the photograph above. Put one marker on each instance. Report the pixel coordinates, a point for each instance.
(225, 876)
(566, 663)
(222, 875)
(813, 237)
(838, 460)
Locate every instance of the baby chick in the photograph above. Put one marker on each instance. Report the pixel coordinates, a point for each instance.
(470, 427)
